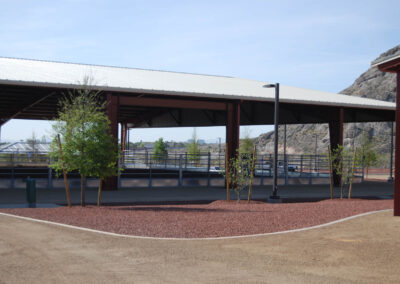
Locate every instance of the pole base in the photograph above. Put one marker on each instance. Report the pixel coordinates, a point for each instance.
(274, 199)
(390, 179)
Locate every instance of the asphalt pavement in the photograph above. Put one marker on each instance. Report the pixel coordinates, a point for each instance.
(289, 193)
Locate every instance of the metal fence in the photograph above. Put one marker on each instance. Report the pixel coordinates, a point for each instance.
(141, 168)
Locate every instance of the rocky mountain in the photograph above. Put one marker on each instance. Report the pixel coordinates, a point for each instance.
(304, 139)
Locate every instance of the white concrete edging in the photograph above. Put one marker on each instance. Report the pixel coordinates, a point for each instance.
(192, 239)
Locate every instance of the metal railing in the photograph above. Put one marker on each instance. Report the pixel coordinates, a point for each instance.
(142, 168)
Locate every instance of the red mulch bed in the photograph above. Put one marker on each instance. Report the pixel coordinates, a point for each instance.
(217, 219)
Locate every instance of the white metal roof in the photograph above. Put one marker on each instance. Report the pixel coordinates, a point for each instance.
(25, 147)
(56, 74)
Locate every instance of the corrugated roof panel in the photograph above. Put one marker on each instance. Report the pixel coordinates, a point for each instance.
(25, 147)
(56, 74)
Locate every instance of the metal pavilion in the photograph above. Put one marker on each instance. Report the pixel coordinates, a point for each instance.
(30, 89)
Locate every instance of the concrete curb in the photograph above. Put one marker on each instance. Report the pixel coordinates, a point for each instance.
(192, 239)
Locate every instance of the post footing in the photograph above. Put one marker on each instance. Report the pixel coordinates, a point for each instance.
(274, 199)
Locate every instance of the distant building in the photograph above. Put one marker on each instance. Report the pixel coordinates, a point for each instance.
(199, 141)
(25, 147)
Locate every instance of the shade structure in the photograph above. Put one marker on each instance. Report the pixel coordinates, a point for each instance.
(24, 82)
(30, 89)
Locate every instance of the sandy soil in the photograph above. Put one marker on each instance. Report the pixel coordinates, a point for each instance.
(362, 250)
(217, 219)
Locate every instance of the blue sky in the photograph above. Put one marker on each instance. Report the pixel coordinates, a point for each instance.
(323, 45)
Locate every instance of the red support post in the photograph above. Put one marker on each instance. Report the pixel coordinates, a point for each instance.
(396, 195)
(232, 128)
(124, 130)
(393, 65)
(336, 138)
(112, 112)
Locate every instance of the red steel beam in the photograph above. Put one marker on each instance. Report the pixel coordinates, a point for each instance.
(336, 138)
(124, 130)
(134, 121)
(390, 66)
(26, 108)
(171, 103)
(397, 152)
(111, 183)
(232, 128)
(393, 66)
(112, 112)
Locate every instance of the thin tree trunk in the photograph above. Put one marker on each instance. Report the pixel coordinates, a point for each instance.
(330, 171)
(83, 179)
(352, 173)
(252, 173)
(99, 193)
(64, 172)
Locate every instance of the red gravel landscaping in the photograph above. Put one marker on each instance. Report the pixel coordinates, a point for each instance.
(217, 219)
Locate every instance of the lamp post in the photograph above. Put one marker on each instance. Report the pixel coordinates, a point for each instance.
(219, 152)
(128, 140)
(274, 198)
(285, 161)
(316, 153)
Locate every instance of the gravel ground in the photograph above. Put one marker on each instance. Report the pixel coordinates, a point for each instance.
(217, 219)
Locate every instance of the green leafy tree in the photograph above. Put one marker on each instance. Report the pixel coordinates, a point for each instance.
(160, 153)
(88, 145)
(367, 154)
(193, 149)
(239, 173)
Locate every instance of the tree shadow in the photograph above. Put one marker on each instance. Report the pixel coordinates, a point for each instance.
(172, 209)
(184, 209)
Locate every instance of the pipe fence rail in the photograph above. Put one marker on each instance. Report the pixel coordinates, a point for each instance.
(142, 168)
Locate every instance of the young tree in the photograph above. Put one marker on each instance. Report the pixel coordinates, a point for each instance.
(88, 145)
(141, 145)
(367, 153)
(193, 149)
(160, 153)
(342, 163)
(239, 173)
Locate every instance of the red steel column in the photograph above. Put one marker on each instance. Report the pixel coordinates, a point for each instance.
(336, 138)
(124, 130)
(396, 211)
(232, 127)
(112, 113)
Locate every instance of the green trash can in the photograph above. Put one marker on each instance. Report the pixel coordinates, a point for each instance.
(30, 191)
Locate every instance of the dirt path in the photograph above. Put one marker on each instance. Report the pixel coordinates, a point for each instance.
(365, 250)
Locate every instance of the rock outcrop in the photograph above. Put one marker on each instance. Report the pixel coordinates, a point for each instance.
(301, 139)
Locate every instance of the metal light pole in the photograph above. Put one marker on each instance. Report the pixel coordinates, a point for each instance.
(316, 152)
(219, 152)
(128, 140)
(274, 198)
(285, 162)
